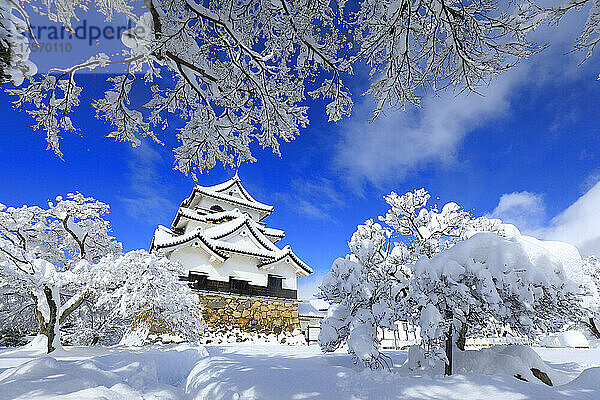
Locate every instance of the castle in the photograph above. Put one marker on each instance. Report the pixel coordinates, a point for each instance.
(242, 277)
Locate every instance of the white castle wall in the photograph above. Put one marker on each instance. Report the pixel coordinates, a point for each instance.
(238, 266)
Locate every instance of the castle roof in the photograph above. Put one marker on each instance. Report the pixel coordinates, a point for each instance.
(224, 220)
(232, 192)
(214, 241)
(220, 216)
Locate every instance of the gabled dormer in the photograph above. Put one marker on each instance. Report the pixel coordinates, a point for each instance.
(226, 196)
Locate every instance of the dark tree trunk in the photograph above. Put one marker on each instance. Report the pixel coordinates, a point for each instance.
(448, 368)
(462, 337)
(593, 327)
(5, 61)
(47, 328)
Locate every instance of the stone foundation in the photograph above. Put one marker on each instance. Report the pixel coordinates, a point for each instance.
(250, 314)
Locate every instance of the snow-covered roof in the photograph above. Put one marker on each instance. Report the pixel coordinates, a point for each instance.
(232, 192)
(217, 216)
(161, 241)
(271, 231)
(235, 183)
(320, 304)
(287, 252)
(213, 240)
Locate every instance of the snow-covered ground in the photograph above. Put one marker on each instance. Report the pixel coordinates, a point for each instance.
(247, 371)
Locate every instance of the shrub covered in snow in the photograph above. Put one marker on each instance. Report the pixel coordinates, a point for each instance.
(591, 268)
(484, 282)
(137, 291)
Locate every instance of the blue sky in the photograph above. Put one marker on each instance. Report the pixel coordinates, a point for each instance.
(528, 151)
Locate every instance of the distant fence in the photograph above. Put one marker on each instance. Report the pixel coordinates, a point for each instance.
(407, 335)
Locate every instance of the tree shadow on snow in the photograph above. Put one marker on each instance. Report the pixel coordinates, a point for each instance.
(245, 376)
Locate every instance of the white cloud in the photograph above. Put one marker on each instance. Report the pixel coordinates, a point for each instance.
(149, 199)
(525, 210)
(579, 224)
(399, 143)
(312, 198)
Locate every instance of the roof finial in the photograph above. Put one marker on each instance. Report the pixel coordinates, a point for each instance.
(236, 175)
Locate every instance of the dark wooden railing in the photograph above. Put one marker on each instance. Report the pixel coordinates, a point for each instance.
(200, 281)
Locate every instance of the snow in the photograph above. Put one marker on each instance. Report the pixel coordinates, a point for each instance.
(508, 360)
(566, 339)
(307, 309)
(93, 373)
(275, 372)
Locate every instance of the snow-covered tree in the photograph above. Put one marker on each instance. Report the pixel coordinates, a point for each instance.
(363, 290)
(487, 281)
(64, 259)
(136, 290)
(240, 71)
(591, 267)
(366, 287)
(15, 65)
(409, 271)
(17, 316)
(41, 247)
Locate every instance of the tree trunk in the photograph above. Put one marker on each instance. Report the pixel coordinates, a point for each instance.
(448, 368)
(462, 337)
(593, 327)
(48, 328)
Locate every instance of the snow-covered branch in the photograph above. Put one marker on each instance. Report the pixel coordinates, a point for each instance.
(239, 72)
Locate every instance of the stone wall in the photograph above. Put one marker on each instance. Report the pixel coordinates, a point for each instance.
(250, 314)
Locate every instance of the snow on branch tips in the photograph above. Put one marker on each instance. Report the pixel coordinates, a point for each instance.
(238, 72)
(447, 273)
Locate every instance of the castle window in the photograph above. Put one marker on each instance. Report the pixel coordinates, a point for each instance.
(198, 280)
(275, 282)
(217, 208)
(238, 285)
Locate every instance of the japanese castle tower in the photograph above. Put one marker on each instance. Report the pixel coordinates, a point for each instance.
(242, 277)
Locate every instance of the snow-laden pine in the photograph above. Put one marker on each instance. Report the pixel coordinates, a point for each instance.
(484, 283)
(445, 272)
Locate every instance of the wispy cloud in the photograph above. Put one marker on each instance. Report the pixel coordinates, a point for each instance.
(312, 198)
(148, 199)
(399, 144)
(522, 209)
